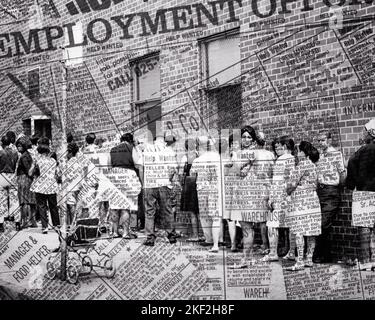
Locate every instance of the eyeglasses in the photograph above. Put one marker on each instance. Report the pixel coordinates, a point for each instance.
(247, 137)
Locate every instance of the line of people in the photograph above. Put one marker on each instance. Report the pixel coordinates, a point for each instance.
(294, 189)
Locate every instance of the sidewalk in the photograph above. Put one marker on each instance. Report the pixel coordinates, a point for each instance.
(188, 265)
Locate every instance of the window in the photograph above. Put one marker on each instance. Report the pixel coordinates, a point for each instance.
(146, 91)
(40, 125)
(74, 55)
(221, 69)
(221, 59)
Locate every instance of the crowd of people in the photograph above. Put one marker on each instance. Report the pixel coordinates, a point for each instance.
(285, 188)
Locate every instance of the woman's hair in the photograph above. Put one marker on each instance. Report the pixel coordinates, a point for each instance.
(24, 142)
(34, 139)
(73, 148)
(69, 137)
(249, 130)
(309, 150)
(5, 141)
(284, 141)
(43, 149)
(128, 137)
(44, 141)
(90, 138)
(12, 136)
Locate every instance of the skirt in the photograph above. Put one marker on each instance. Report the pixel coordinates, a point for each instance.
(25, 196)
(305, 216)
(250, 201)
(209, 204)
(189, 195)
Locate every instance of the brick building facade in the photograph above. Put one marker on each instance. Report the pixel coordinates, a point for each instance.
(287, 67)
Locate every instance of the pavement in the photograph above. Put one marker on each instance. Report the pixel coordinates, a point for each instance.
(141, 273)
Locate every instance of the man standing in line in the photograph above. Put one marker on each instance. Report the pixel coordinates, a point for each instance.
(160, 166)
(8, 162)
(331, 176)
(361, 177)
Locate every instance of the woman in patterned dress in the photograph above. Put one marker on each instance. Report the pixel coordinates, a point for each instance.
(250, 205)
(279, 201)
(304, 219)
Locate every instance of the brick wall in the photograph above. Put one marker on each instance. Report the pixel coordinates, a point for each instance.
(298, 75)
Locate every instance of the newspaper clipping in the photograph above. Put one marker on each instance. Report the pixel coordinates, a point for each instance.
(187, 150)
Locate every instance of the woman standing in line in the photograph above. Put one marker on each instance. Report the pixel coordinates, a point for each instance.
(207, 169)
(279, 202)
(250, 197)
(263, 167)
(26, 198)
(189, 196)
(45, 186)
(304, 219)
(228, 187)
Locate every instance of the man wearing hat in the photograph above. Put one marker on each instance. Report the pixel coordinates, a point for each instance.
(361, 177)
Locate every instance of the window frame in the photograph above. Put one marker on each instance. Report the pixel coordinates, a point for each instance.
(203, 45)
(136, 104)
(205, 88)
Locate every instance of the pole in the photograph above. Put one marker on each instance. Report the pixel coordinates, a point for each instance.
(63, 206)
(62, 155)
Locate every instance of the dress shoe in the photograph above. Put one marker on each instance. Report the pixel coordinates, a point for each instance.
(322, 260)
(206, 244)
(172, 238)
(150, 241)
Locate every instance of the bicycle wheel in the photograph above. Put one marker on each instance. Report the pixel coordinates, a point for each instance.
(109, 268)
(87, 264)
(51, 271)
(72, 274)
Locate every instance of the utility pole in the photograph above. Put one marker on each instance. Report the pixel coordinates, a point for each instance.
(61, 109)
(63, 206)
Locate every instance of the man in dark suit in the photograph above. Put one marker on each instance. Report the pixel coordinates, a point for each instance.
(8, 162)
(361, 176)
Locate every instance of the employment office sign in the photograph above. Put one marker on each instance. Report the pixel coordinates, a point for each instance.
(163, 21)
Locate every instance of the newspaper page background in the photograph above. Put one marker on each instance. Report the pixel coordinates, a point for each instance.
(209, 198)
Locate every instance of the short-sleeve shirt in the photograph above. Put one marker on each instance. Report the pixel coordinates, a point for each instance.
(24, 164)
(159, 161)
(73, 174)
(330, 166)
(46, 182)
(8, 160)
